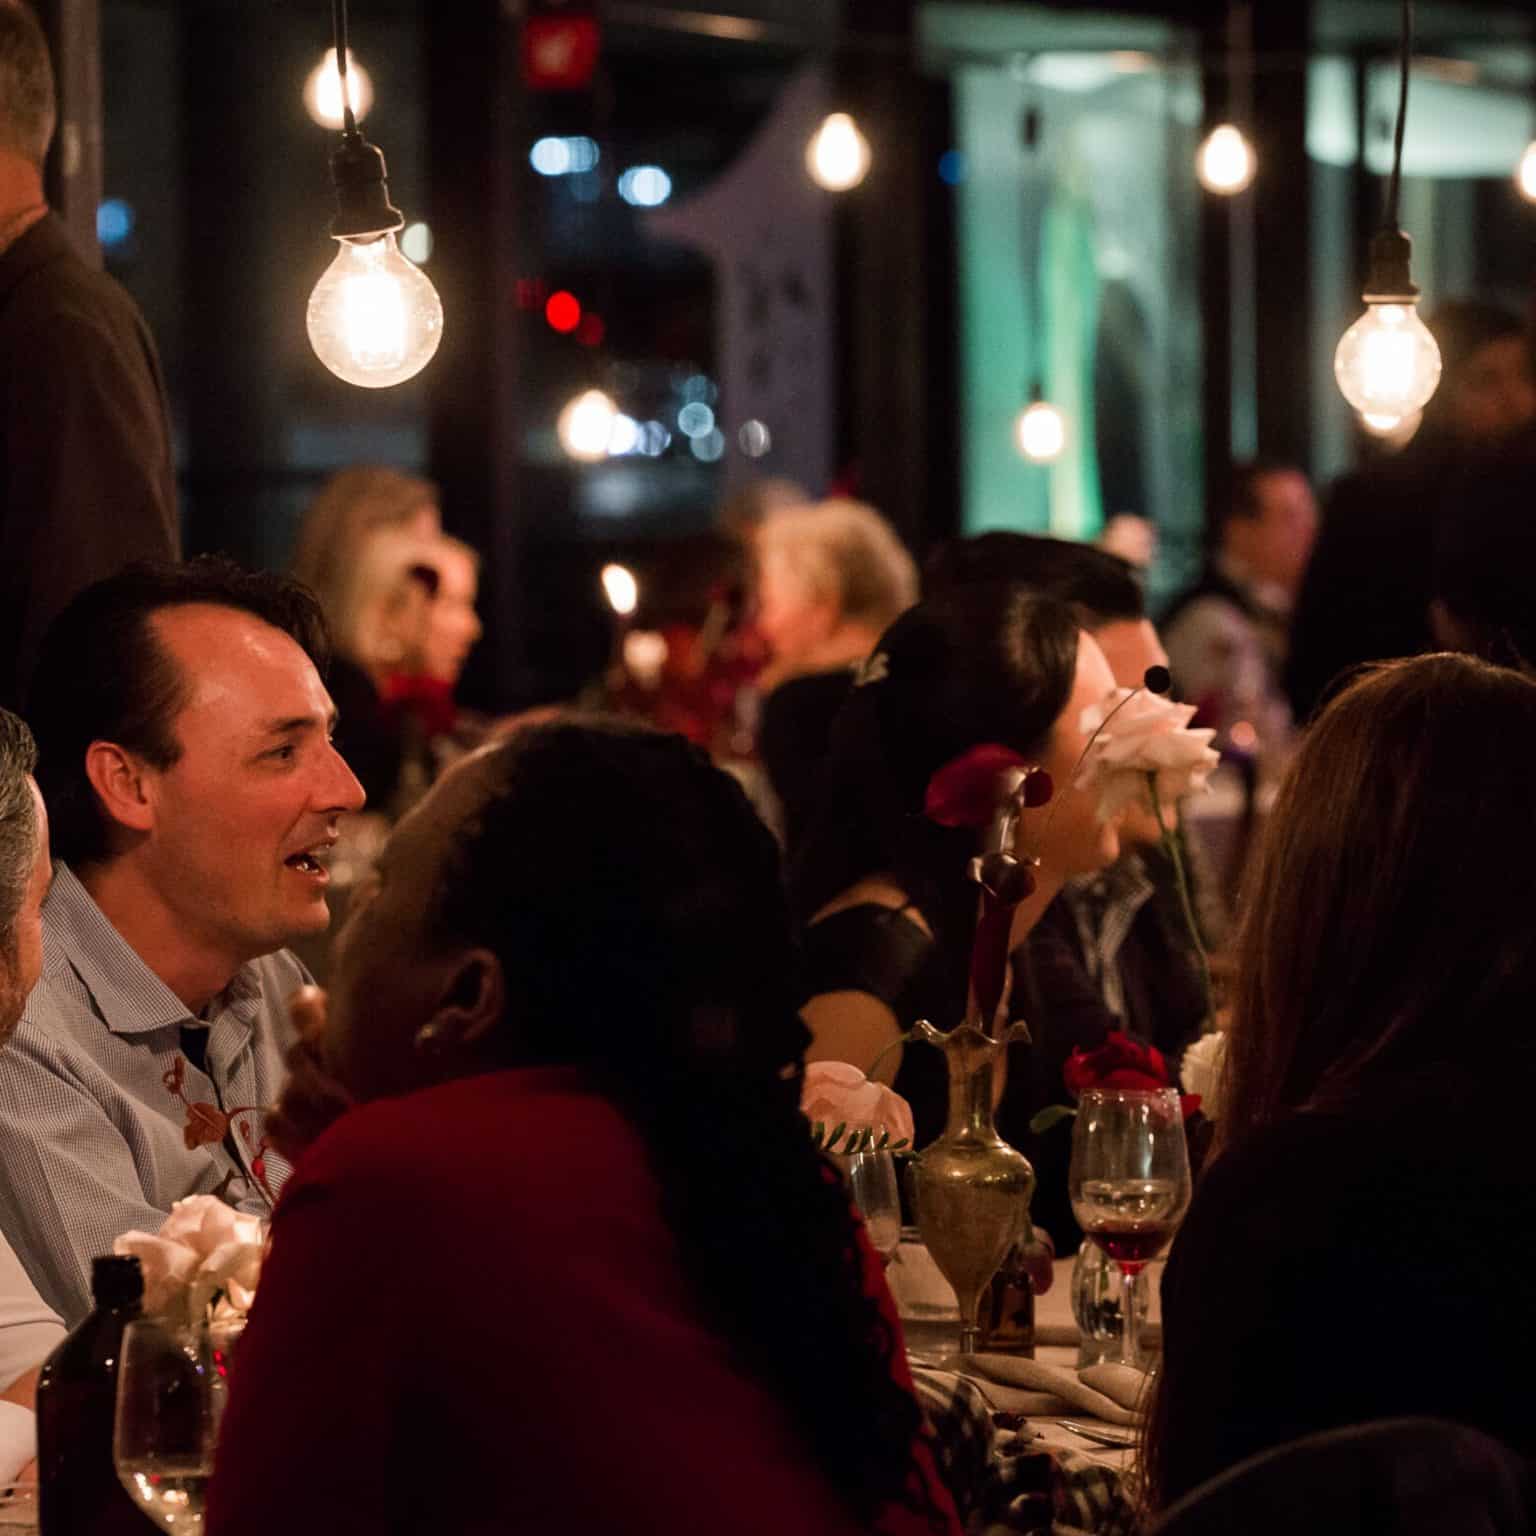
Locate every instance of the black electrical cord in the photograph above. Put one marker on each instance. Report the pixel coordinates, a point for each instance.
(1405, 56)
(339, 36)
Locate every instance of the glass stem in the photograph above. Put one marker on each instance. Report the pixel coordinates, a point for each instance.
(970, 1324)
(1130, 1333)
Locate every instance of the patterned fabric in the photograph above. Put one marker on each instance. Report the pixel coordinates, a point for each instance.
(103, 1121)
(1104, 908)
(1003, 1482)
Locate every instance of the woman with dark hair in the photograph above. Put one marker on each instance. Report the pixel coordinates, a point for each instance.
(571, 1263)
(1371, 1193)
(883, 889)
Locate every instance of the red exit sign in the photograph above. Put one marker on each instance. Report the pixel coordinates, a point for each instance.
(559, 50)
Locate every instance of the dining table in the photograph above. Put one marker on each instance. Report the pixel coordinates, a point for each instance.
(1017, 1457)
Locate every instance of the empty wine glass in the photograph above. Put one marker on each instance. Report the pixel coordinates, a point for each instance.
(1129, 1183)
(872, 1183)
(167, 1421)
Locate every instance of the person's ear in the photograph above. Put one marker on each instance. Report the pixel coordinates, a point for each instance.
(471, 1007)
(124, 784)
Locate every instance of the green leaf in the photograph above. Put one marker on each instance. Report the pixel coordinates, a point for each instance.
(1049, 1117)
(836, 1136)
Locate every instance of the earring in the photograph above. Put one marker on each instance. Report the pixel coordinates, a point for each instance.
(429, 1040)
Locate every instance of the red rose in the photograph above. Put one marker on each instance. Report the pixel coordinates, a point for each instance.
(1120, 1062)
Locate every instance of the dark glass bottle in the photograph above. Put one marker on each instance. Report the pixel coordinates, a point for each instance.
(1008, 1309)
(79, 1494)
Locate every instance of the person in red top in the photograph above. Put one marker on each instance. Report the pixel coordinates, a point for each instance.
(558, 1254)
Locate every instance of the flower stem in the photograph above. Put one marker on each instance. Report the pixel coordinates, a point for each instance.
(900, 1039)
(1180, 880)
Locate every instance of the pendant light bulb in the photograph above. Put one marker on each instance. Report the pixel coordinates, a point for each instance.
(1041, 431)
(621, 589)
(1226, 162)
(838, 154)
(322, 91)
(1395, 430)
(374, 318)
(1525, 174)
(1387, 364)
(585, 426)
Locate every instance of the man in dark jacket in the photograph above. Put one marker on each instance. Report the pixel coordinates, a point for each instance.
(86, 480)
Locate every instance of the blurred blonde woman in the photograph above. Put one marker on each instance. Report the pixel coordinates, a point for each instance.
(832, 577)
(453, 627)
(380, 611)
(351, 505)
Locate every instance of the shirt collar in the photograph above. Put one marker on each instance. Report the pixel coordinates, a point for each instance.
(129, 996)
(1124, 883)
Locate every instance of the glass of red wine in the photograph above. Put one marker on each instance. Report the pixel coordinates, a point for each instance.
(1129, 1183)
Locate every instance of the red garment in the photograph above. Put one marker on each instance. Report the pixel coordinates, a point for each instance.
(473, 1320)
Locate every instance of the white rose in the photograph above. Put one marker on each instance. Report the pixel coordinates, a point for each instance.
(204, 1223)
(1200, 1071)
(234, 1269)
(1147, 735)
(835, 1093)
(202, 1248)
(168, 1268)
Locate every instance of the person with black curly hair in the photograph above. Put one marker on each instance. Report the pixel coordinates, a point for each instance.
(566, 1258)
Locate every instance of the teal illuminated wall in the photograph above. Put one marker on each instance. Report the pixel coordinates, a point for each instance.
(1077, 257)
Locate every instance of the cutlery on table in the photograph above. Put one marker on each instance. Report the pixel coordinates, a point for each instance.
(1121, 1440)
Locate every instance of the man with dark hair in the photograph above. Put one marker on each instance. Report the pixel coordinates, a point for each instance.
(1370, 582)
(86, 480)
(1485, 562)
(186, 759)
(1105, 590)
(1227, 635)
(28, 1330)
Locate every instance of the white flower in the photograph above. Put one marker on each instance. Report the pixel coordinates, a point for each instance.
(203, 1249)
(168, 1268)
(1200, 1071)
(1148, 735)
(835, 1093)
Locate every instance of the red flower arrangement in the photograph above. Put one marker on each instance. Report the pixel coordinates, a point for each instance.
(1121, 1062)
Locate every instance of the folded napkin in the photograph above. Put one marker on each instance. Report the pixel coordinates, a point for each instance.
(1019, 1385)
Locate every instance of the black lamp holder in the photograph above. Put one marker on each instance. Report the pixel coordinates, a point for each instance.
(1389, 280)
(358, 173)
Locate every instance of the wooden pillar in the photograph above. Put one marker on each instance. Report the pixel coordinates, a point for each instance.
(898, 410)
(72, 177)
(1282, 217)
(1216, 277)
(477, 142)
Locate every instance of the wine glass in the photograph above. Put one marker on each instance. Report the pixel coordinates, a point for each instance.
(1129, 1183)
(872, 1183)
(168, 1407)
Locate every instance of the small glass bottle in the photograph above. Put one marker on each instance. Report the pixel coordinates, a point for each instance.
(79, 1493)
(1008, 1309)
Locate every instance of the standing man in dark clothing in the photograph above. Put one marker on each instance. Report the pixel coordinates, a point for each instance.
(1368, 589)
(86, 480)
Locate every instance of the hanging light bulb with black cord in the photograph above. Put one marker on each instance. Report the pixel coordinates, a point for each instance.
(1387, 363)
(374, 318)
(1041, 429)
